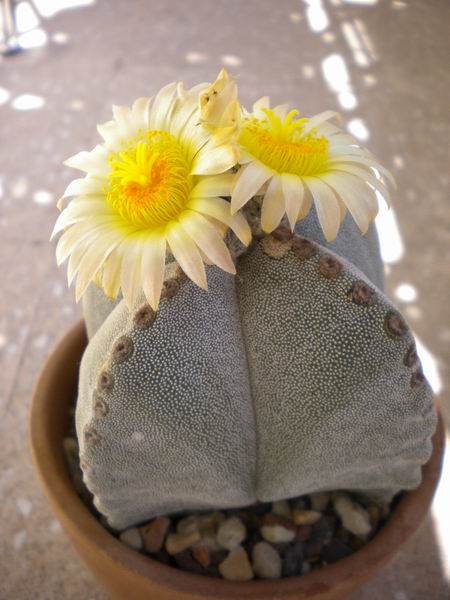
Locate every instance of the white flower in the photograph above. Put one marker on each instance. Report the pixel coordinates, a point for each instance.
(293, 162)
(157, 181)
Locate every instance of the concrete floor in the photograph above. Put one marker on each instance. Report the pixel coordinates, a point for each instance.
(384, 65)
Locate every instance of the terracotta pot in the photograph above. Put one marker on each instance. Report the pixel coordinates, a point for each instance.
(129, 575)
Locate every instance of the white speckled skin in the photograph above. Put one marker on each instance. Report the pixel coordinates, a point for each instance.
(271, 385)
(333, 400)
(180, 430)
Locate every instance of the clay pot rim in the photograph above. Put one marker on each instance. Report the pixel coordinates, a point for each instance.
(76, 518)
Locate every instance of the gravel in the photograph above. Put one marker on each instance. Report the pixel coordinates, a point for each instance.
(286, 538)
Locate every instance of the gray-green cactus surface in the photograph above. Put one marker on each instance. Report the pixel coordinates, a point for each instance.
(295, 376)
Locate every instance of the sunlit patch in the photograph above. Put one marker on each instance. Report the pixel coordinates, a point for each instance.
(440, 513)
(347, 100)
(196, 58)
(282, 145)
(429, 366)
(358, 128)
(370, 80)
(398, 162)
(26, 18)
(308, 71)
(76, 105)
(32, 39)
(336, 75)
(391, 244)
(328, 37)
(3, 340)
(229, 60)
(316, 15)
(399, 5)
(43, 197)
(413, 312)
(355, 45)
(49, 8)
(19, 188)
(28, 102)
(4, 95)
(295, 17)
(406, 292)
(60, 37)
(361, 2)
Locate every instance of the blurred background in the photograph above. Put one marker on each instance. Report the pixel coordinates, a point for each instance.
(382, 64)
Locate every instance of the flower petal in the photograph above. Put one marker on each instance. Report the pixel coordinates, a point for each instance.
(93, 260)
(281, 110)
(76, 235)
(186, 110)
(218, 102)
(84, 187)
(205, 235)
(245, 157)
(122, 116)
(365, 175)
(95, 162)
(352, 194)
(77, 212)
(130, 274)
(293, 191)
(326, 205)
(214, 161)
(112, 268)
(217, 185)
(111, 134)
(74, 261)
(186, 254)
(259, 105)
(83, 244)
(249, 181)
(162, 107)
(152, 268)
(140, 113)
(319, 119)
(363, 161)
(273, 205)
(219, 209)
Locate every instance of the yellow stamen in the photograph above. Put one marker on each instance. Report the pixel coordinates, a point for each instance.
(282, 145)
(149, 182)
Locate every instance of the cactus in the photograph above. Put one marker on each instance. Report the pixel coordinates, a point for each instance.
(200, 389)
(297, 376)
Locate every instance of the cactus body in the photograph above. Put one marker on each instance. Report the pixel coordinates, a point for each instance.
(296, 376)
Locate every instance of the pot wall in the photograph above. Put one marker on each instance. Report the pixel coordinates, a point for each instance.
(129, 575)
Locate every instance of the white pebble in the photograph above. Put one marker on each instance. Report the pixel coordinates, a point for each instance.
(266, 561)
(231, 533)
(277, 534)
(306, 517)
(236, 566)
(188, 525)
(132, 538)
(353, 516)
(177, 542)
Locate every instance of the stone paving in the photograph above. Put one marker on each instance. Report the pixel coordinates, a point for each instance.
(384, 65)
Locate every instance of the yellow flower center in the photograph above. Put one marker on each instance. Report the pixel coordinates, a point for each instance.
(150, 181)
(283, 146)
